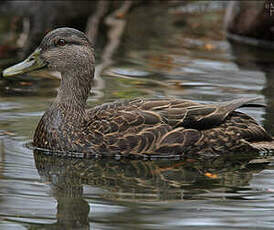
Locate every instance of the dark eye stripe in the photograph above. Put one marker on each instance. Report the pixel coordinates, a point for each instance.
(62, 42)
(74, 43)
(54, 44)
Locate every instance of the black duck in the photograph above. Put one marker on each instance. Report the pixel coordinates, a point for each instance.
(136, 127)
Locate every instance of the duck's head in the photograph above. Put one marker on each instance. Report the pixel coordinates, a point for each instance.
(63, 50)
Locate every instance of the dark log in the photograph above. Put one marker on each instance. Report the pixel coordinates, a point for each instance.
(253, 19)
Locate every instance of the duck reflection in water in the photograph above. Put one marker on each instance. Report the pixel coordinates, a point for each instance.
(137, 180)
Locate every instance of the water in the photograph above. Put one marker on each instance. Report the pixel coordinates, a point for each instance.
(185, 57)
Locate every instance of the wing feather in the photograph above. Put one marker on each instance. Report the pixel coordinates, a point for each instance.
(171, 125)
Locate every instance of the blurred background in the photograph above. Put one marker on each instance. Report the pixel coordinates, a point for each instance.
(206, 51)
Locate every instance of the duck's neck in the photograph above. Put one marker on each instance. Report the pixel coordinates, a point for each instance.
(74, 89)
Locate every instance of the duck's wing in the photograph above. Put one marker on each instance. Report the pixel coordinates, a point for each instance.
(170, 125)
(202, 116)
(174, 112)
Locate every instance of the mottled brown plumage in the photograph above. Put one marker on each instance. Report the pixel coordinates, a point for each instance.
(138, 126)
(145, 126)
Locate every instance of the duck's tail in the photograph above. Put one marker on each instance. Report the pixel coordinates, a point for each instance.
(242, 102)
(264, 146)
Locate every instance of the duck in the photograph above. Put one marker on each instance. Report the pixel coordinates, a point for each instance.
(132, 127)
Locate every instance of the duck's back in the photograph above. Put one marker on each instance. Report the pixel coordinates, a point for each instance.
(172, 126)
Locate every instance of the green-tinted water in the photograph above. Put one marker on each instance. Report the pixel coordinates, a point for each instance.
(174, 55)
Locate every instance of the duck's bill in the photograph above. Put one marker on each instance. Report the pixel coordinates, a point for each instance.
(33, 62)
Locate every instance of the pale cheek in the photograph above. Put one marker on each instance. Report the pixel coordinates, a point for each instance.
(60, 60)
(56, 62)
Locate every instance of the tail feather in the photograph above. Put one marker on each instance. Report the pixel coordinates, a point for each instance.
(230, 106)
(236, 103)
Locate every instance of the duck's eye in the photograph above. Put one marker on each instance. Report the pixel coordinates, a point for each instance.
(60, 42)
